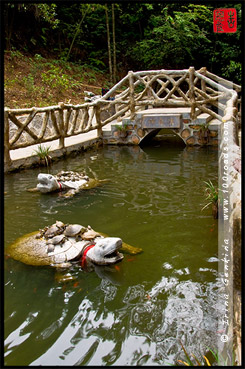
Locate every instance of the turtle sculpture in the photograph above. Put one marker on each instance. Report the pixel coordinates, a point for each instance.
(68, 181)
(62, 245)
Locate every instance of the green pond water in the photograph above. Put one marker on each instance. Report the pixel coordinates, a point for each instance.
(135, 312)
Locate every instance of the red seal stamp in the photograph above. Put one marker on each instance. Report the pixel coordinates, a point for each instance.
(225, 20)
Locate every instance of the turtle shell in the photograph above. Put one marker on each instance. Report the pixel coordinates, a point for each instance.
(90, 234)
(52, 231)
(59, 224)
(30, 250)
(59, 239)
(73, 230)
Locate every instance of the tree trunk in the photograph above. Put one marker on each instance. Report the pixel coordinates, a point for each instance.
(108, 42)
(9, 27)
(75, 35)
(114, 44)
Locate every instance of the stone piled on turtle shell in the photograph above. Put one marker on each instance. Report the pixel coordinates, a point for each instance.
(59, 233)
(71, 176)
(62, 250)
(59, 239)
(55, 229)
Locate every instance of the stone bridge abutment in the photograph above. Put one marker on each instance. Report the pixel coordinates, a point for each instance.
(148, 123)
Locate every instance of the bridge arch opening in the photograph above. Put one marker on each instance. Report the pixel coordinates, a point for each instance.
(162, 135)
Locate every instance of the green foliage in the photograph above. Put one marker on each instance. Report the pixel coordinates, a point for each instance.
(226, 53)
(15, 53)
(55, 78)
(122, 127)
(29, 83)
(139, 88)
(233, 71)
(38, 57)
(48, 13)
(212, 194)
(155, 35)
(173, 35)
(44, 81)
(95, 61)
(8, 83)
(43, 153)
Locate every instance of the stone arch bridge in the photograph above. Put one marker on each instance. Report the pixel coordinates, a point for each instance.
(173, 122)
(191, 105)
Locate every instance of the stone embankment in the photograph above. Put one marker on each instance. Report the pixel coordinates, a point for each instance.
(27, 157)
(230, 171)
(236, 226)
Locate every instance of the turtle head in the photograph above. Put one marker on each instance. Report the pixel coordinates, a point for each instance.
(105, 251)
(47, 183)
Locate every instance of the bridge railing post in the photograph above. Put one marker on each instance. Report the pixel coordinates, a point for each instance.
(191, 91)
(149, 92)
(98, 121)
(61, 126)
(7, 159)
(131, 94)
(203, 83)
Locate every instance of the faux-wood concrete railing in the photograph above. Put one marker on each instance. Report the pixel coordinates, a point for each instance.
(201, 90)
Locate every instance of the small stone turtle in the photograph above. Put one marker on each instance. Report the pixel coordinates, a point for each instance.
(56, 240)
(59, 239)
(74, 230)
(52, 231)
(90, 234)
(41, 232)
(60, 224)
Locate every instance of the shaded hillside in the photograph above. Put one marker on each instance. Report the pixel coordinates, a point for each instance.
(37, 81)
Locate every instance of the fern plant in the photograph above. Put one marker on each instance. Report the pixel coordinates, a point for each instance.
(212, 194)
(212, 197)
(43, 153)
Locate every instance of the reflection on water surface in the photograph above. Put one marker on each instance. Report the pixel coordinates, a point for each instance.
(135, 312)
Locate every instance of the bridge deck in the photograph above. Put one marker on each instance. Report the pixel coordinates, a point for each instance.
(160, 111)
(185, 112)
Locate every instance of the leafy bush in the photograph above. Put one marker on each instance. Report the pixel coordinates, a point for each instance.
(173, 36)
(55, 78)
